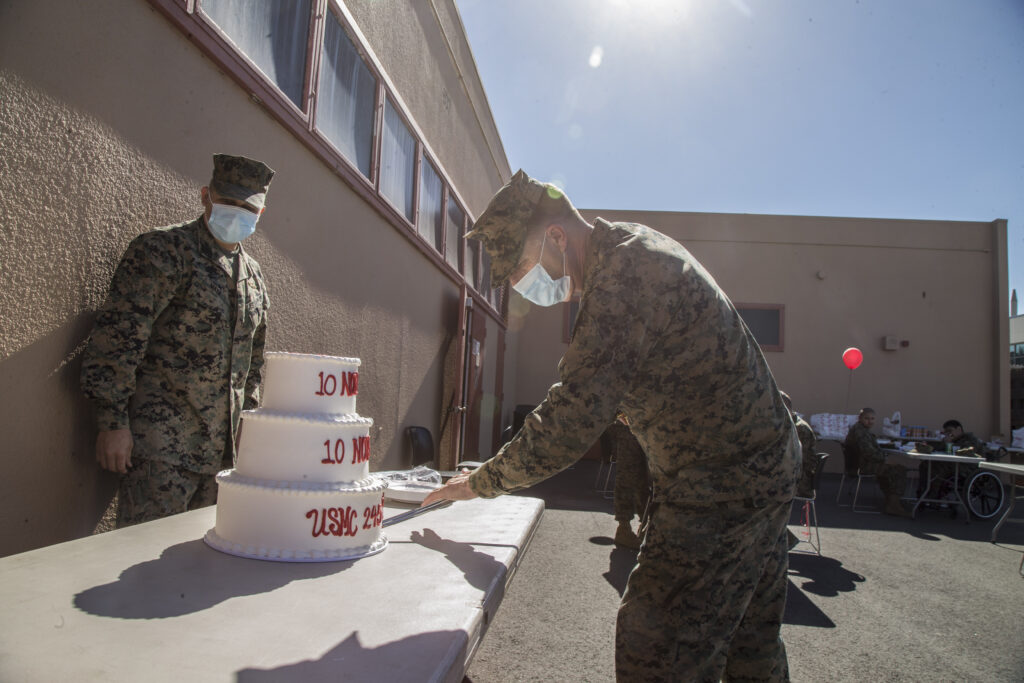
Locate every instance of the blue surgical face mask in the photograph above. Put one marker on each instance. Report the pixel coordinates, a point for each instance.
(231, 224)
(538, 287)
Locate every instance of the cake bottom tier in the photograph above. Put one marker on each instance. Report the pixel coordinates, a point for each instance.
(297, 521)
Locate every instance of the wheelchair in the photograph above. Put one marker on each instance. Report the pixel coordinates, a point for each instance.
(981, 490)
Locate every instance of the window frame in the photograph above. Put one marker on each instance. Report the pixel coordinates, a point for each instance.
(199, 28)
(781, 308)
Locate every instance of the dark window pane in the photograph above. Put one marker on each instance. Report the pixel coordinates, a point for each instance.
(345, 103)
(485, 275)
(431, 219)
(272, 33)
(764, 323)
(453, 233)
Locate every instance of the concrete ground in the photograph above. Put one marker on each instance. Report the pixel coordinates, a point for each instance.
(890, 599)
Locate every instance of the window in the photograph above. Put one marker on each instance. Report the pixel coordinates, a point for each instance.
(765, 322)
(346, 99)
(431, 218)
(397, 162)
(485, 275)
(472, 261)
(1017, 354)
(274, 34)
(453, 232)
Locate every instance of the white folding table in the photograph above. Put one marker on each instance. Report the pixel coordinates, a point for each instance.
(154, 603)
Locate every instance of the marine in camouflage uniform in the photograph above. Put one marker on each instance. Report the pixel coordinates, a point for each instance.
(658, 339)
(804, 431)
(942, 472)
(863, 446)
(632, 486)
(177, 352)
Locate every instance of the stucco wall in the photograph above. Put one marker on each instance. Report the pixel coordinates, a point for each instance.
(849, 282)
(109, 120)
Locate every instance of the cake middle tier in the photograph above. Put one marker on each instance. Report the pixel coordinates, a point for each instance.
(279, 446)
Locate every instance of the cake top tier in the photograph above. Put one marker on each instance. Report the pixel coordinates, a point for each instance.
(310, 384)
(289, 356)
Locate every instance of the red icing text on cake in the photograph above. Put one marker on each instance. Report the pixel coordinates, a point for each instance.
(336, 456)
(344, 521)
(344, 384)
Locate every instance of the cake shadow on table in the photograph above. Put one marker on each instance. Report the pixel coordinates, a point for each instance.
(167, 586)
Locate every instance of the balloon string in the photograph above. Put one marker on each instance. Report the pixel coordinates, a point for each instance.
(848, 385)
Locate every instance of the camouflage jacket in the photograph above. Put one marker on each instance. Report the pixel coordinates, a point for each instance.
(806, 435)
(657, 338)
(177, 349)
(969, 440)
(863, 445)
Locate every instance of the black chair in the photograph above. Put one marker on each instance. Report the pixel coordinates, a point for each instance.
(810, 511)
(421, 447)
(851, 469)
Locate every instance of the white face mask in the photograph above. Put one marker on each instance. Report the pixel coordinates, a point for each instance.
(538, 287)
(231, 224)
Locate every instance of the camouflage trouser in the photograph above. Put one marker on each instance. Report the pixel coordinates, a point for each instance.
(631, 488)
(706, 599)
(805, 485)
(892, 479)
(152, 489)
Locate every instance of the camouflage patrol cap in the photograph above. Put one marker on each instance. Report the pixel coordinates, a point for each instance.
(503, 225)
(241, 178)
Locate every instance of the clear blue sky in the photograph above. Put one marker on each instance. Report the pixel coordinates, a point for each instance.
(870, 108)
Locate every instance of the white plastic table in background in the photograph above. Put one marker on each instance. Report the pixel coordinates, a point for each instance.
(155, 603)
(957, 460)
(1018, 471)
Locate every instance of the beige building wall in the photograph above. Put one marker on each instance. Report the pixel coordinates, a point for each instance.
(939, 287)
(108, 121)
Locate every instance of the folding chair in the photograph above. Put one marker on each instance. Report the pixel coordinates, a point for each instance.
(851, 469)
(856, 493)
(810, 509)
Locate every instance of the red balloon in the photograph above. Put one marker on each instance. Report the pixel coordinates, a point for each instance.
(852, 357)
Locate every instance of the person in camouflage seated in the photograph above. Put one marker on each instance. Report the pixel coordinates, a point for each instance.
(176, 352)
(863, 446)
(632, 487)
(963, 443)
(657, 339)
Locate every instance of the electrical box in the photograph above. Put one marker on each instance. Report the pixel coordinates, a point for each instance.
(890, 342)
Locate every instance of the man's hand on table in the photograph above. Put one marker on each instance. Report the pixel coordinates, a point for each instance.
(457, 488)
(114, 449)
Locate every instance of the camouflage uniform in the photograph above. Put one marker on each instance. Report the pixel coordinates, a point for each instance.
(863, 446)
(631, 480)
(177, 353)
(658, 339)
(942, 472)
(805, 487)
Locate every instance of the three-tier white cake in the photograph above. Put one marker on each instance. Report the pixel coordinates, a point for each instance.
(301, 490)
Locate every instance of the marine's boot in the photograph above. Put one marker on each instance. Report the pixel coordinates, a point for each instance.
(625, 538)
(893, 506)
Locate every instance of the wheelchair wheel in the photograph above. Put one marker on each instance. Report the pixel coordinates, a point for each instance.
(983, 494)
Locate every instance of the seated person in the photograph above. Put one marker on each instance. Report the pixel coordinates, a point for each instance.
(953, 432)
(963, 443)
(863, 446)
(805, 485)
